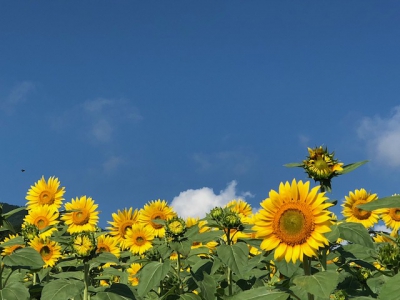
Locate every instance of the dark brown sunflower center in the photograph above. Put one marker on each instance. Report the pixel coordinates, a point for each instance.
(124, 227)
(360, 213)
(46, 197)
(80, 217)
(41, 223)
(46, 252)
(395, 214)
(294, 223)
(157, 216)
(140, 240)
(103, 248)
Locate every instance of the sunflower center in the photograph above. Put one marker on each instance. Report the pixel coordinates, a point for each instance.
(41, 222)
(124, 227)
(395, 214)
(46, 252)
(80, 217)
(140, 240)
(293, 223)
(46, 197)
(103, 248)
(157, 216)
(360, 213)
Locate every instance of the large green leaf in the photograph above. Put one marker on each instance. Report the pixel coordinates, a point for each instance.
(208, 286)
(189, 296)
(109, 296)
(76, 275)
(376, 283)
(320, 284)
(358, 251)
(333, 235)
(260, 293)
(355, 233)
(19, 240)
(391, 289)
(14, 291)
(151, 275)
(287, 269)
(234, 256)
(24, 258)
(351, 167)
(104, 258)
(387, 202)
(62, 289)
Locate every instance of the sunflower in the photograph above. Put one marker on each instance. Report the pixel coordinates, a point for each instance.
(139, 238)
(354, 214)
(190, 221)
(240, 206)
(83, 244)
(156, 210)
(293, 221)
(43, 217)
(83, 217)
(122, 220)
(321, 165)
(49, 250)
(8, 250)
(107, 243)
(132, 271)
(391, 218)
(44, 192)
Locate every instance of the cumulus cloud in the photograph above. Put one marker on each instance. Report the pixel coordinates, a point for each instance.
(234, 160)
(382, 137)
(196, 203)
(17, 96)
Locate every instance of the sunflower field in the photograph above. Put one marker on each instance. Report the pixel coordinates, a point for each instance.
(293, 247)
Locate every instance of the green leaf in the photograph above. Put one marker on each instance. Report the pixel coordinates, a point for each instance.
(76, 275)
(7, 226)
(359, 251)
(355, 233)
(19, 240)
(151, 275)
(189, 296)
(116, 291)
(391, 289)
(320, 284)
(333, 235)
(293, 165)
(208, 286)
(351, 167)
(375, 284)
(387, 202)
(182, 247)
(287, 269)
(62, 289)
(260, 293)
(104, 258)
(24, 258)
(14, 211)
(109, 296)
(234, 256)
(15, 291)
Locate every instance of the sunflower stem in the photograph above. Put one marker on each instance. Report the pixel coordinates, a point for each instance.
(86, 280)
(322, 258)
(307, 272)
(179, 274)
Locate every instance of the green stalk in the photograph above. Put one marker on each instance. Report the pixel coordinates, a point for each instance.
(86, 280)
(179, 273)
(307, 272)
(229, 275)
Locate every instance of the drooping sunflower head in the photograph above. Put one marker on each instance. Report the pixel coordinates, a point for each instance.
(293, 221)
(321, 165)
(122, 220)
(8, 250)
(107, 243)
(49, 250)
(241, 207)
(353, 213)
(156, 210)
(83, 244)
(43, 192)
(139, 238)
(82, 215)
(45, 218)
(133, 269)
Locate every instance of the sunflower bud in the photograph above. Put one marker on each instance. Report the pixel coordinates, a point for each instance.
(217, 213)
(29, 231)
(232, 220)
(83, 244)
(175, 227)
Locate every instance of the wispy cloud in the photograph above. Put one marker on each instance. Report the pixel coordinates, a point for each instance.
(112, 163)
(196, 203)
(17, 96)
(235, 161)
(382, 137)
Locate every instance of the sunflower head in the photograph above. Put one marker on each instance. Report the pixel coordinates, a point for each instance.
(321, 165)
(241, 207)
(139, 238)
(43, 192)
(122, 221)
(49, 250)
(8, 250)
(107, 243)
(84, 244)
(81, 216)
(175, 228)
(45, 218)
(293, 221)
(133, 269)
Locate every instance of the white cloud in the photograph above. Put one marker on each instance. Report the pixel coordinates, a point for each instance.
(233, 160)
(196, 203)
(112, 163)
(17, 96)
(381, 227)
(382, 137)
(304, 140)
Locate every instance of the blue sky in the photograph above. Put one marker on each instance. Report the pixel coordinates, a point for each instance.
(195, 102)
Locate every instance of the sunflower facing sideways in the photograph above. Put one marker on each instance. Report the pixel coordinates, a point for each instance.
(354, 214)
(122, 220)
(106, 243)
(139, 238)
(156, 210)
(8, 250)
(42, 217)
(82, 216)
(44, 192)
(49, 250)
(293, 221)
(391, 218)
